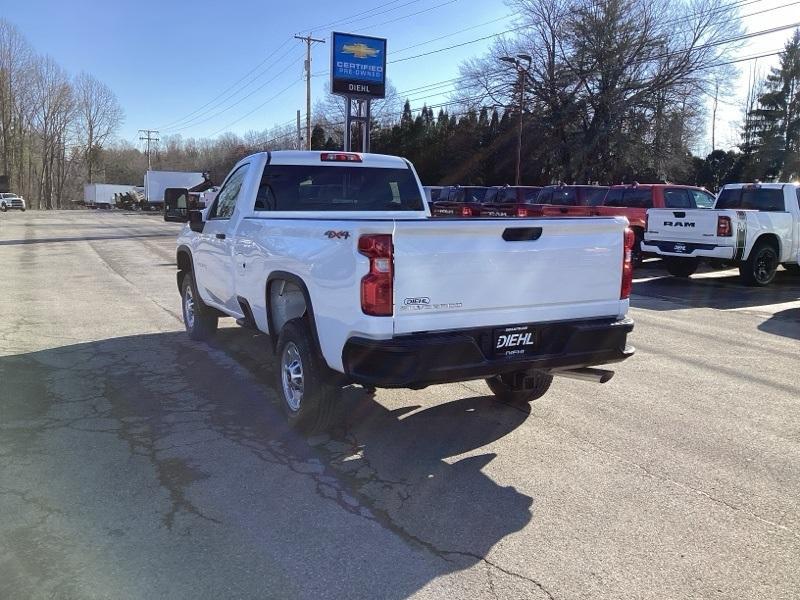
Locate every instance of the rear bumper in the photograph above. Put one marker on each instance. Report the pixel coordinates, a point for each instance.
(667, 248)
(418, 360)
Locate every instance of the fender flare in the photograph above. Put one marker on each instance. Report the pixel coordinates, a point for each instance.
(312, 321)
(183, 249)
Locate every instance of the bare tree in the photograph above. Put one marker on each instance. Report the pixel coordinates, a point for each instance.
(99, 116)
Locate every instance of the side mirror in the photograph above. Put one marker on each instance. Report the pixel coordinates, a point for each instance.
(196, 222)
(176, 205)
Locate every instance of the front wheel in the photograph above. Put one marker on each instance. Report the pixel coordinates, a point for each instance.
(3, 208)
(520, 387)
(22, 209)
(304, 382)
(200, 320)
(760, 267)
(681, 267)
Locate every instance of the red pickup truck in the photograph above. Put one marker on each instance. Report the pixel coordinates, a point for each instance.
(633, 200)
(510, 201)
(570, 200)
(458, 201)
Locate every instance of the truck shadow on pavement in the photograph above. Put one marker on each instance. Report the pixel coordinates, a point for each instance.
(723, 291)
(200, 428)
(785, 323)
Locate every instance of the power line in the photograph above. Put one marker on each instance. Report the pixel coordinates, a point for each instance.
(269, 56)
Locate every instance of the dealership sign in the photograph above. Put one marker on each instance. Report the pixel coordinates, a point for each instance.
(358, 66)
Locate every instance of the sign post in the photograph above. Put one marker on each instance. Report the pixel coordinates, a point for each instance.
(358, 72)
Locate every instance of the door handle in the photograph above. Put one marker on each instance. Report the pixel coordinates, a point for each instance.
(220, 236)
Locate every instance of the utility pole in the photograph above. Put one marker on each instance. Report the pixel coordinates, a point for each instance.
(299, 135)
(308, 40)
(522, 73)
(148, 135)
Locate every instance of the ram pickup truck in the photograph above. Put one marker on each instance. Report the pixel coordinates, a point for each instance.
(334, 255)
(458, 201)
(632, 202)
(510, 201)
(753, 226)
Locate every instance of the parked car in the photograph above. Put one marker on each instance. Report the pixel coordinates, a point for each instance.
(510, 201)
(754, 226)
(571, 200)
(333, 255)
(9, 200)
(458, 201)
(633, 201)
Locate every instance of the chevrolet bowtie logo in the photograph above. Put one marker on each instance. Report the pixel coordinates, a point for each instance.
(360, 50)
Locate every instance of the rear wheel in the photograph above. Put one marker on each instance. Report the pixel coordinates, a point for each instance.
(304, 382)
(520, 387)
(760, 267)
(681, 267)
(200, 320)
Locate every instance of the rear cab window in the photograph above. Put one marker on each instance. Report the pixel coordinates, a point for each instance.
(340, 188)
(678, 198)
(751, 198)
(629, 198)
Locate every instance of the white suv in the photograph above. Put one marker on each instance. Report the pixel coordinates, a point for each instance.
(11, 201)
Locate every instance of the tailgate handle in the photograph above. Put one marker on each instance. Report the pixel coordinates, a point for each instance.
(522, 234)
(680, 214)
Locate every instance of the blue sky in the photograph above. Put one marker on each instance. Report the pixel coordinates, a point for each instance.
(166, 59)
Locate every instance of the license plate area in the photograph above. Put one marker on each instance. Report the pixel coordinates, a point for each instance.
(516, 341)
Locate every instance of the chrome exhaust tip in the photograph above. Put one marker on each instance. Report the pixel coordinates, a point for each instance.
(587, 374)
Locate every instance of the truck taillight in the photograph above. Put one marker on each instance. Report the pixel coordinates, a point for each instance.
(522, 211)
(466, 211)
(724, 228)
(377, 286)
(627, 264)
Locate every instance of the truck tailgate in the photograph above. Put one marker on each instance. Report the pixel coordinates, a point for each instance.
(694, 226)
(487, 272)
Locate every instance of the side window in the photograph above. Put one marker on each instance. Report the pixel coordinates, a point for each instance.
(703, 199)
(226, 199)
(630, 198)
(545, 196)
(677, 198)
(798, 196)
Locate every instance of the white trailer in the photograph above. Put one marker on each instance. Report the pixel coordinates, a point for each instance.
(155, 182)
(101, 195)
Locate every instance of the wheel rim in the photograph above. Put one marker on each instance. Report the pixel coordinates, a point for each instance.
(188, 307)
(766, 263)
(292, 376)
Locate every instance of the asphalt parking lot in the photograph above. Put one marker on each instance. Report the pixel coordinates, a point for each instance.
(135, 463)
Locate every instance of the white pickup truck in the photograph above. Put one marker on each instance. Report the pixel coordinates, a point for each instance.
(334, 255)
(755, 226)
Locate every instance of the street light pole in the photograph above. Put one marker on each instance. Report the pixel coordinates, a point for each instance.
(522, 72)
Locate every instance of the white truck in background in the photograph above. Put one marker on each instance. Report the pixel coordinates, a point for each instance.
(335, 256)
(102, 195)
(155, 182)
(755, 226)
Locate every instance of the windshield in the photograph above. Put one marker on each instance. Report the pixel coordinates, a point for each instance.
(752, 198)
(323, 187)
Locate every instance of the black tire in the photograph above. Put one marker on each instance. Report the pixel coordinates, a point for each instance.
(201, 324)
(505, 390)
(637, 256)
(22, 209)
(794, 269)
(312, 411)
(760, 267)
(681, 267)
(3, 208)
